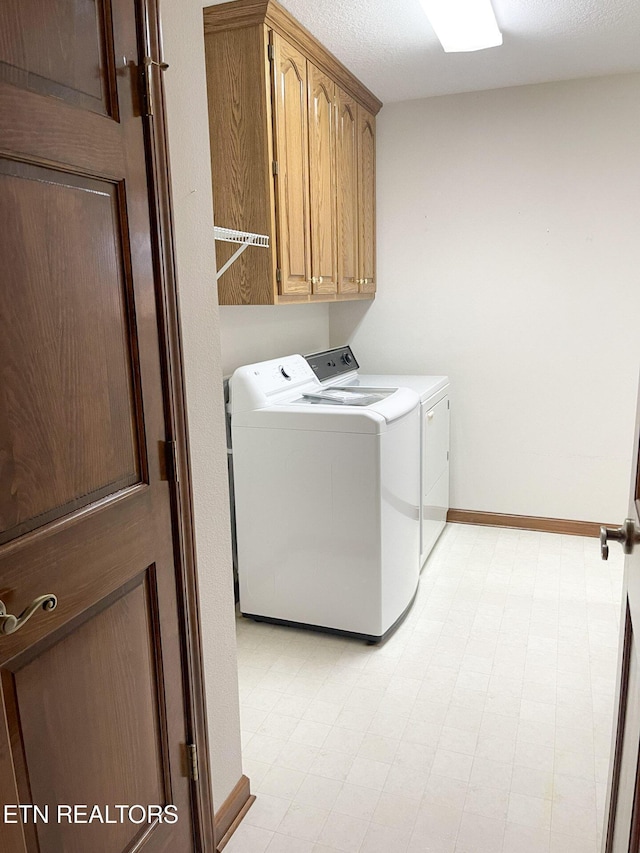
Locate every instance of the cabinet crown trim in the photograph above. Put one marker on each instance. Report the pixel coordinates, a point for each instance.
(245, 13)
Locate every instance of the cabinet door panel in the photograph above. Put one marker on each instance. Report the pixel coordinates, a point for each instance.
(291, 154)
(322, 181)
(367, 194)
(347, 193)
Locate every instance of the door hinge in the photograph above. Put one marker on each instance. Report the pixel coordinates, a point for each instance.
(278, 275)
(271, 53)
(448, 404)
(172, 468)
(447, 455)
(192, 751)
(274, 167)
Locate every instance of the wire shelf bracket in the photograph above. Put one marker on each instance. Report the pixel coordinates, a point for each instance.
(244, 238)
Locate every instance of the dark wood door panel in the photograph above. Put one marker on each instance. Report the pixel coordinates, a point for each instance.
(71, 430)
(93, 699)
(51, 132)
(82, 744)
(92, 676)
(12, 835)
(69, 56)
(83, 559)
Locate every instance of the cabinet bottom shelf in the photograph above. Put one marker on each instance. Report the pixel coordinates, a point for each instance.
(291, 299)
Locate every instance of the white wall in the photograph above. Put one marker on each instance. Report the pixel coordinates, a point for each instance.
(257, 333)
(509, 258)
(191, 186)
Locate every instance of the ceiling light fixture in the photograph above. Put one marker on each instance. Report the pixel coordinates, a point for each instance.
(463, 25)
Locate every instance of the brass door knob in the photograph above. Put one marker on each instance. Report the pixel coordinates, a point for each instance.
(9, 623)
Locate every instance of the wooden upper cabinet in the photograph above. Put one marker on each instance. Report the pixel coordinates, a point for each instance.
(292, 157)
(347, 193)
(367, 200)
(322, 171)
(291, 152)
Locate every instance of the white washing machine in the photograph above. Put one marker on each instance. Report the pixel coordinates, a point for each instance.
(327, 494)
(339, 366)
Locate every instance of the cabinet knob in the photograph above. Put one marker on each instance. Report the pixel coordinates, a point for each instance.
(320, 280)
(314, 280)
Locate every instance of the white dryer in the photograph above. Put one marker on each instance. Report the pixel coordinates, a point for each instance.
(339, 366)
(327, 494)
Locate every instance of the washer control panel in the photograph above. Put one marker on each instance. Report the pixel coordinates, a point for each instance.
(332, 362)
(257, 385)
(281, 374)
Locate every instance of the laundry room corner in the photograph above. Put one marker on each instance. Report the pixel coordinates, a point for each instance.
(506, 235)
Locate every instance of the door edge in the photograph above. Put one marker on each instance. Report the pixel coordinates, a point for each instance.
(161, 214)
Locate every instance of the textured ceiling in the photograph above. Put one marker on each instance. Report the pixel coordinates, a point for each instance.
(391, 47)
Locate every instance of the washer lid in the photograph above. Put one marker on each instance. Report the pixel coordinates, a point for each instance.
(343, 396)
(305, 414)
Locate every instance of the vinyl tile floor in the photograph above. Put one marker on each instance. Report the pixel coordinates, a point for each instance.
(483, 725)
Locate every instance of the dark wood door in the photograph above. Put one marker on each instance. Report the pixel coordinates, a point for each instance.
(623, 822)
(93, 707)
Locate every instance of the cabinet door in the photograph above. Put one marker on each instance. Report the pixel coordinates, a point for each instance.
(322, 180)
(291, 141)
(367, 195)
(347, 193)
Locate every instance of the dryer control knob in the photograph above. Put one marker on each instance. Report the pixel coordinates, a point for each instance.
(347, 357)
